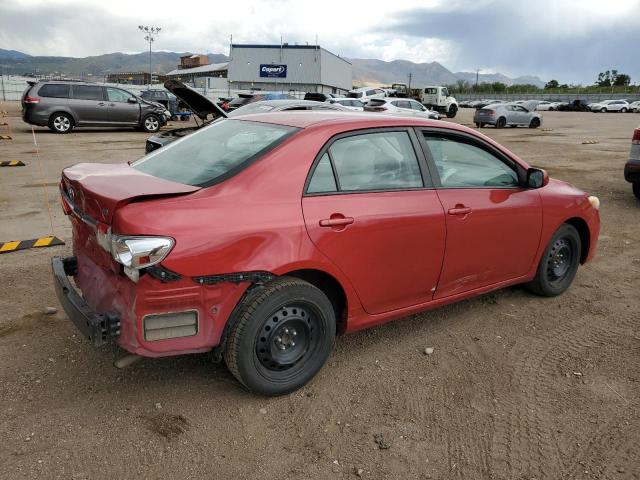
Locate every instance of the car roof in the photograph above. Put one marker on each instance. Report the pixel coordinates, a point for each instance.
(352, 120)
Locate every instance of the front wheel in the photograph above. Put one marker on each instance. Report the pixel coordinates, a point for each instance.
(623, 110)
(501, 123)
(151, 123)
(535, 123)
(453, 110)
(636, 189)
(282, 336)
(559, 263)
(603, 110)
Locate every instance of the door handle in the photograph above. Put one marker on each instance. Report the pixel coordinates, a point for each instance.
(101, 104)
(336, 222)
(459, 210)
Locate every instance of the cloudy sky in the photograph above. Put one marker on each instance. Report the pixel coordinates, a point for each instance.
(571, 40)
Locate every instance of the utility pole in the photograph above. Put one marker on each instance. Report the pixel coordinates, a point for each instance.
(409, 87)
(150, 35)
(477, 75)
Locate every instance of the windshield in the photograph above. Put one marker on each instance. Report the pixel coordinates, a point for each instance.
(213, 153)
(354, 94)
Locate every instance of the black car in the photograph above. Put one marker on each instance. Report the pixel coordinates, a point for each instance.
(575, 106)
(318, 97)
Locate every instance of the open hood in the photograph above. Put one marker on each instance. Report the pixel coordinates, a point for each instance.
(198, 103)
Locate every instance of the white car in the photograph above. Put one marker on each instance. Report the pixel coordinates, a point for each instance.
(610, 106)
(350, 103)
(545, 106)
(635, 107)
(406, 106)
(365, 94)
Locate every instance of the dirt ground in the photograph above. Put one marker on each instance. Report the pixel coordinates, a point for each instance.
(517, 387)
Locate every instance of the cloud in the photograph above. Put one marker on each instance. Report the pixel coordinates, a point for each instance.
(566, 40)
(563, 39)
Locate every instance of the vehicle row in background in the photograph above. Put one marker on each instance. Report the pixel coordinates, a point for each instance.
(578, 105)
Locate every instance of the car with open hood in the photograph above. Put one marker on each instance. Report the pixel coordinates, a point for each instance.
(260, 237)
(202, 107)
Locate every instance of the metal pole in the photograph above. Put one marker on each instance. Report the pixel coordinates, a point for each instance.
(150, 73)
(4, 98)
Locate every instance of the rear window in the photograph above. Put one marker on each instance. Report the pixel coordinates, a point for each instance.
(236, 102)
(213, 153)
(87, 92)
(54, 90)
(431, 91)
(376, 102)
(255, 107)
(354, 94)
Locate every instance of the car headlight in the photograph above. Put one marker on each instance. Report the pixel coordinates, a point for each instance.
(595, 202)
(140, 252)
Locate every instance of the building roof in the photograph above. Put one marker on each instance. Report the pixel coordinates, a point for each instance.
(287, 46)
(214, 67)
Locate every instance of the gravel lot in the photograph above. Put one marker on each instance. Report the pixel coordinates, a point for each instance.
(517, 387)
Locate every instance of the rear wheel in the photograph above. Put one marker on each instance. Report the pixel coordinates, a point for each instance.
(151, 123)
(282, 336)
(603, 110)
(535, 123)
(501, 123)
(559, 263)
(636, 190)
(61, 122)
(623, 110)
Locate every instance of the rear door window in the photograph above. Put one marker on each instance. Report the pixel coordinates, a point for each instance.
(371, 161)
(87, 92)
(54, 90)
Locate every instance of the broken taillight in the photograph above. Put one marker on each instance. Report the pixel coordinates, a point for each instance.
(636, 137)
(29, 99)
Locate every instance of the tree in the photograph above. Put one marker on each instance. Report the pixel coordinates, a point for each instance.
(498, 87)
(551, 84)
(622, 80)
(604, 79)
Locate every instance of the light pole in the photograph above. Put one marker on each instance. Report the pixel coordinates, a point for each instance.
(150, 35)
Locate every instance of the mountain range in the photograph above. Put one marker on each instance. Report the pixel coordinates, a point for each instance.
(365, 71)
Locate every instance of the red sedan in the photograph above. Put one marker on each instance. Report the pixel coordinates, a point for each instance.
(261, 237)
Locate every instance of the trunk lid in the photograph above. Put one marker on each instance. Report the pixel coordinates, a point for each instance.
(98, 190)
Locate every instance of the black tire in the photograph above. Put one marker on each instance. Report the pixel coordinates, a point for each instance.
(501, 123)
(636, 189)
(452, 112)
(551, 109)
(261, 349)
(535, 123)
(151, 123)
(559, 263)
(623, 110)
(603, 110)
(61, 123)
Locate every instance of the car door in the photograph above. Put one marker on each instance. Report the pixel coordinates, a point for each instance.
(493, 223)
(370, 208)
(89, 105)
(121, 111)
(522, 115)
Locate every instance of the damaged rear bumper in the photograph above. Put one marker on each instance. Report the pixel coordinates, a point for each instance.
(99, 328)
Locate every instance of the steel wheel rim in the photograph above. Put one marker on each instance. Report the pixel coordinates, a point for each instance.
(287, 338)
(61, 123)
(561, 259)
(151, 123)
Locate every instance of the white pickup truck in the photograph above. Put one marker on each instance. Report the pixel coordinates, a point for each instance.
(438, 98)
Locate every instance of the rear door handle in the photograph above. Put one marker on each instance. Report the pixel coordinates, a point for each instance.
(101, 104)
(459, 211)
(336, 222)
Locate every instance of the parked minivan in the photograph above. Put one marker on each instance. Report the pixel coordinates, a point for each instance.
(63, 105)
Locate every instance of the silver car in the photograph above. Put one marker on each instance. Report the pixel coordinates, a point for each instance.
(406, 106)
(508, 114)
(610, 106)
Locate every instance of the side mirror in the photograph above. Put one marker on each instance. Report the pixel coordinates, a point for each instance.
(132, 100)
(537, 178)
